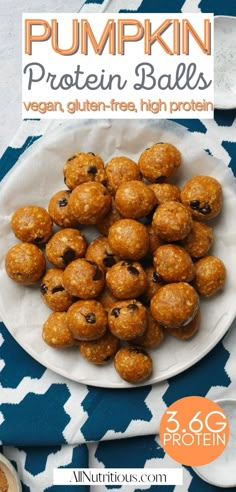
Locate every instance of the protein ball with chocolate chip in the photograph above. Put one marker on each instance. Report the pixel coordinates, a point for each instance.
(83, 279)
(173, 263)
(87, 320)
(175, 305)
(82, 167)
(134, 199)
(113, 216)
(154, 283)
(188, 331)
(172, 221)
(121, 170)
(133, 364)
(89, 203)
(107, 299)
(32, 224)
(202, 195)
(153, 335)
(53, 292)
(210, 275)
(159, 162)
(100, 252)
(126, 279)
(165, 192)
(128, 239)
(65, 246)
(100, 351)
(56, 332)
(58, 209)
(127, 319)
(25, 263)
(199, 240)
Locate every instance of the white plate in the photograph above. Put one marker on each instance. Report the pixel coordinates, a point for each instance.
(39, 174)
(221, 471)
(14, 484)
(225, 62)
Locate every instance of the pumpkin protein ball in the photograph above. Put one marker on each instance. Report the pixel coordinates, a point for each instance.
(89, 203)
(32, 224)
(133, 364)
(127, 319)
(107, 299)
(128, 239)
(172, 221)
(121, 170)
(202, 195)
(100, 252)
(83, 279)
(153, 335)
(65, 246)
(56, 333)
(87, 320)
(210, 275)
(175, 305)
(113, 215)
(52, 291)
(188, 331)
(165, 192)
(134, 199)
(199, 240)
(58, 209)
(173, 263)
(159, 162)
(154, 283)
(25, 263)
(83, 167)
(100, 351)
(126, 279)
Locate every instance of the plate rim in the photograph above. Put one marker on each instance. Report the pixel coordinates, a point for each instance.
(221, 105)
(50, 138)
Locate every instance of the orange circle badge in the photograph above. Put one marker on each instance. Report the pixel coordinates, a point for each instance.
(194, 431)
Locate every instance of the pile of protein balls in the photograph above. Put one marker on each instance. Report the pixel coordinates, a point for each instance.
(137, 282)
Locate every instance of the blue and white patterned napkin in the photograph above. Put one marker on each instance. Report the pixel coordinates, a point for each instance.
(46, 419)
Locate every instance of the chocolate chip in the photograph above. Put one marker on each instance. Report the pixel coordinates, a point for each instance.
(109, 261)
(156, 277)
(63, 202)
(134, 271)
(115, 312)
(92, 170)
(132, 307)
(137, 350)
(98, 275)
(126, 262)
(71, 158)
(38, 240)
(43, 289)
(195, 204)
(65, 180)
(68, 255)
(68, 191)
(90, 318)
(90, 153)
(205, 210)
(160, 179)
(58, 288)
